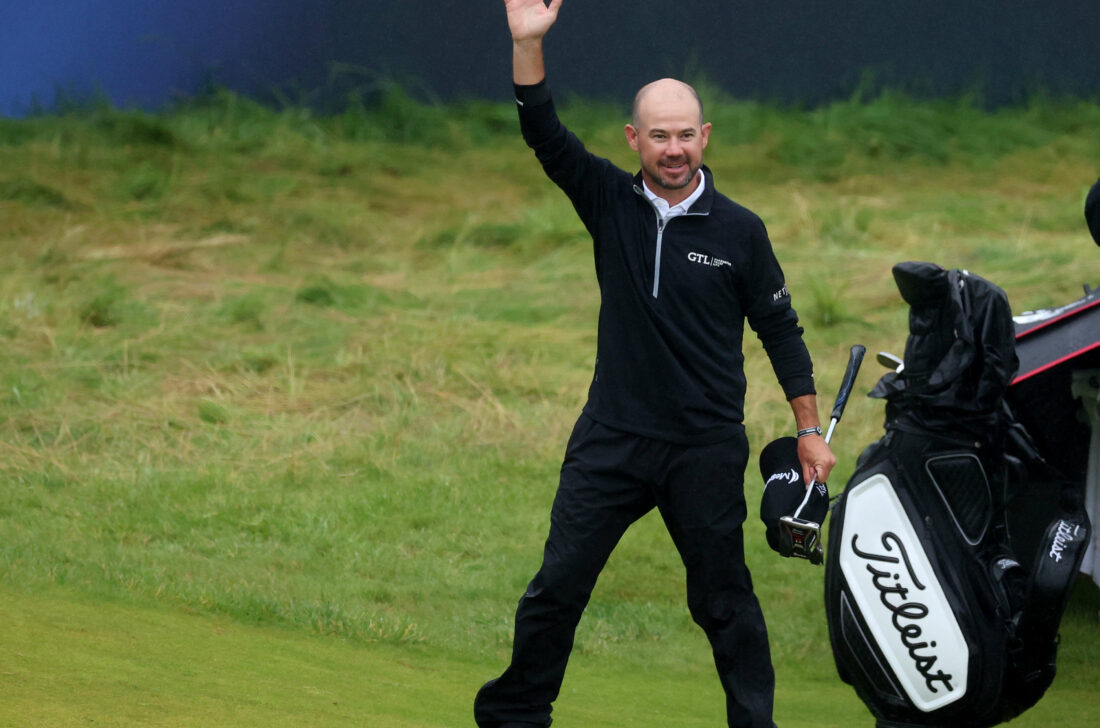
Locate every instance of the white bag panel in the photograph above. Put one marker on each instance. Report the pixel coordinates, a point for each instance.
(896, 591)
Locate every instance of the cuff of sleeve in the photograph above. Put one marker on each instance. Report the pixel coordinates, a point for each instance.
(798, 386)
(533, 95)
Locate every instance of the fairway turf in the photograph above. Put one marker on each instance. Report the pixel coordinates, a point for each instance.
(70, 661)
(283, 398)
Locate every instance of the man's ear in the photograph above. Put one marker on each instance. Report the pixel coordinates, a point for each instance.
(631, 136)
(706, 134)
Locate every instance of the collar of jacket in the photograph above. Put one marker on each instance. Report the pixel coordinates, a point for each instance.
(702, 205)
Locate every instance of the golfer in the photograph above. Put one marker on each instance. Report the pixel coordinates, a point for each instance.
(680, 269)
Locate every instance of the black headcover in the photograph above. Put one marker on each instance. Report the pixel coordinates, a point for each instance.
(1092, 211)
(960, 356)
(784, 489)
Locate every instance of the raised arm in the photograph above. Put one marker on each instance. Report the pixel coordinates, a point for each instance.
(528, 20)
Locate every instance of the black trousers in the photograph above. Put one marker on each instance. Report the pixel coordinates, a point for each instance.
(610, 479)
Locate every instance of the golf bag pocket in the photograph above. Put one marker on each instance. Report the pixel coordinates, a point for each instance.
(960, 481)
(1060, 552)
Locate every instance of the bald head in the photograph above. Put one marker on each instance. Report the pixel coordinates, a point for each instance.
(669, 135)
(663, 95)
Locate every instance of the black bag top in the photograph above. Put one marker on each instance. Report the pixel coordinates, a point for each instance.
(960, 356)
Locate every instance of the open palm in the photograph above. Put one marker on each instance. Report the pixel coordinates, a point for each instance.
(530, 19)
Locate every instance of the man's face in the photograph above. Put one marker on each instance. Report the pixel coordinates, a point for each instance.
(669, 136)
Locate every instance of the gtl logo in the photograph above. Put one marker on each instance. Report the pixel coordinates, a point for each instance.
(707, 260)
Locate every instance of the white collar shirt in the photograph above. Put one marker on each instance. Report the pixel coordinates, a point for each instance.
(664, 210)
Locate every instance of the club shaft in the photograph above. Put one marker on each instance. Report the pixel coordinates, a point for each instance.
(855, 359)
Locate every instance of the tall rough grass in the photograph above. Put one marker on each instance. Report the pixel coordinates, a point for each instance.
(318, 371)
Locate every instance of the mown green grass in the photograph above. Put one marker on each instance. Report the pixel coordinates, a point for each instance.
(69, 660)
(311, 378)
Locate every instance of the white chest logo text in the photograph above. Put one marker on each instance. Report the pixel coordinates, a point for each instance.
(707, 260)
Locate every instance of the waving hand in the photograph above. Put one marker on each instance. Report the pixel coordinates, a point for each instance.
(530, 19)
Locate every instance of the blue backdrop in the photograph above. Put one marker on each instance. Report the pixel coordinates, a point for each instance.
(146, 52)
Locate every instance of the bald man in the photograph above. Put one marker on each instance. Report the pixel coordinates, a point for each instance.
(681, 268)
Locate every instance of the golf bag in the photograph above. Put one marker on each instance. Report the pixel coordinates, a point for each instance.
(934, 618)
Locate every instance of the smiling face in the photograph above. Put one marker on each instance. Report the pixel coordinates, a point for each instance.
(669, 135)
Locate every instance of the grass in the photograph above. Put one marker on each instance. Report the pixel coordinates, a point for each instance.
(304, 383)
(68, 660)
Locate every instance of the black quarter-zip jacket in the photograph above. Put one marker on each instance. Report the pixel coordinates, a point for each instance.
(675, 295)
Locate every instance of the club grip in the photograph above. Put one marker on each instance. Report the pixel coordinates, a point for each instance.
(855, 359)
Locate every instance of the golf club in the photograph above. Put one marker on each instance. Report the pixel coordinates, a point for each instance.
(803, 537)
(891, 361)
